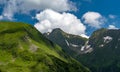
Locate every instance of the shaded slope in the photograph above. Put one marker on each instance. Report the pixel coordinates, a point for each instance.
(105, 56)
(71, 44)
(24, 49)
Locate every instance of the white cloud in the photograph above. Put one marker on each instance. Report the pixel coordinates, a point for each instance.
(112, 27)
(93, 19)
(49, 20)
(9, 10)
(112, 16)
(25, 6)
(57, 5)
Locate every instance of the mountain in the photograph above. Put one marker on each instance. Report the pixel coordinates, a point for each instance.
(71, 44)
(24, 49)
(100, 53)
(105, 54)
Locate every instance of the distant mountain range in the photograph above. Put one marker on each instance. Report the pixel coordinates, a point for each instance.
(100, 53)
(24, 49)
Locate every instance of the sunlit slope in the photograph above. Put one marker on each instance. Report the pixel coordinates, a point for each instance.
(24, 49)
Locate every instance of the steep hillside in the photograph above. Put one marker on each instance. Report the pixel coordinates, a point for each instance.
(24, 49)
(71, 44)
(100, 52)
(105, 56)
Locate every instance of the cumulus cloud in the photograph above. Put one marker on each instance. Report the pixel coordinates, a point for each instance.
(112, 27)
(93, 19)
(57, 5)
(25, 6)
(49, 20)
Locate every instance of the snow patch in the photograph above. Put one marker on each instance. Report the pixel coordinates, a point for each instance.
(70, 44)
(86, 48)
(48, 33)
(73, 45)
(82, 48)
(89, 50)
(67, 42)
(101, 45)
(107, 39)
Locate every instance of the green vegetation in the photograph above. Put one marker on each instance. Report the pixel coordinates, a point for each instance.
(24, 49)
(104, 58)
(61, 38)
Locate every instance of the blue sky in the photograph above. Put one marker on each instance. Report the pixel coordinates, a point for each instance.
(80, 17)
(104, 7)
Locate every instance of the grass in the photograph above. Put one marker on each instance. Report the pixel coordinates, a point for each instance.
(15, 54)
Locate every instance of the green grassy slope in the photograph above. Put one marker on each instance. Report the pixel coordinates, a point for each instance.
(24, 49)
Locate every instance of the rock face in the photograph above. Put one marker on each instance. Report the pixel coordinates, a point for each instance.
(24, 49)
(71, 44)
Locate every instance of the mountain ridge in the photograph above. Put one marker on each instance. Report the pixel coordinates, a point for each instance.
(23, 48)
(100, 52)
(69, 42)
(105, 55)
